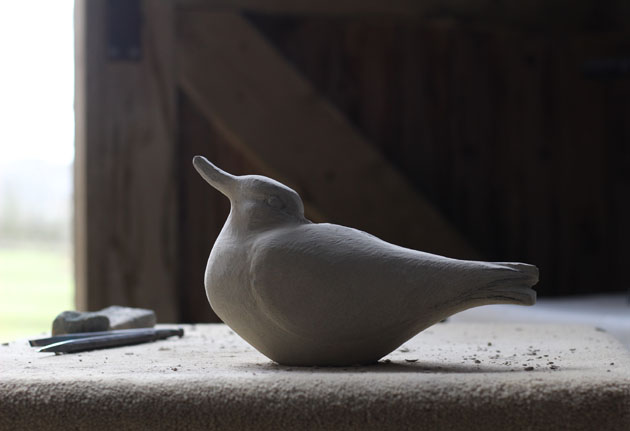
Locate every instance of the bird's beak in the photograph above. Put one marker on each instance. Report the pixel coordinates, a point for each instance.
(217, 178)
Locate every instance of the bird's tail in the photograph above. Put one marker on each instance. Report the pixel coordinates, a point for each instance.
(508, 283)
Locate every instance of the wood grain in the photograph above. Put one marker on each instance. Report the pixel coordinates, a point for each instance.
(125, 184)
(532, 15)
(342, 7)
(277, 119)
(501, 129)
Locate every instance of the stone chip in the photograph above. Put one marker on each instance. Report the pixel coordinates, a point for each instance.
(114, 317)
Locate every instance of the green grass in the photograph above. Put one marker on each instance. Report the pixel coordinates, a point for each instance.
(36, 284)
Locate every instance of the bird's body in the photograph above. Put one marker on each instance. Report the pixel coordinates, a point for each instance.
(307, 293)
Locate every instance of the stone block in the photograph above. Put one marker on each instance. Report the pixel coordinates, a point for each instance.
(114, 317)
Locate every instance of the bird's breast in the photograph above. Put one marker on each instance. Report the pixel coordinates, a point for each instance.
(227, 277)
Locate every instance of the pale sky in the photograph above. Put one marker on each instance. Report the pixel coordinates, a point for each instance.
(36, 80)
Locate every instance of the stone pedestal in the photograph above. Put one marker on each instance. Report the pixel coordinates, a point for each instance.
(453, 376)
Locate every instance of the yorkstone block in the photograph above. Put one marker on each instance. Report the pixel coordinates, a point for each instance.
(114, 317)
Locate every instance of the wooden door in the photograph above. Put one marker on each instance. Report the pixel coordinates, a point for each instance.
(401, 118)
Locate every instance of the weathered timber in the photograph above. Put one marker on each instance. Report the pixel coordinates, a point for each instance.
(126, 248)
(275, 117)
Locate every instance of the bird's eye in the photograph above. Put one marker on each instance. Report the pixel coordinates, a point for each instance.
(275, 202)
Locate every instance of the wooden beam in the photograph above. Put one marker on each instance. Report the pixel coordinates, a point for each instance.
(80, 180)
(308, 7)
(535, 14)
(126, 218)
(555, 15)
(271, 113)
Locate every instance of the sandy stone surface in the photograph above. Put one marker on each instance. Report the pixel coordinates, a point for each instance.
(452, 376)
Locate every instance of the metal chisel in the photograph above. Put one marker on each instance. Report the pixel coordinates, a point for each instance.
(72, 343)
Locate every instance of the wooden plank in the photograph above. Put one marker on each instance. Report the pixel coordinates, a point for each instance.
(497, 127)
(532, 15)
(343, 7)
(274, 116)
(80, 180)
(126, 248)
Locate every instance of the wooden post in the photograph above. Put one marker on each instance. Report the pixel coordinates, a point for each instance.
(125, 185)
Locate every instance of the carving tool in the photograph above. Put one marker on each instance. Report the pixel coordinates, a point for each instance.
(73, 343)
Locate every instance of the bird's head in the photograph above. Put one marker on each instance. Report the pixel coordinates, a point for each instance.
(257, 202)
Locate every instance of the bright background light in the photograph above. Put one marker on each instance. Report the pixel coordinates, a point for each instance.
(36, 156)
(36, 80)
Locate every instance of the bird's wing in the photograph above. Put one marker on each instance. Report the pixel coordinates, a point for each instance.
(321, 277)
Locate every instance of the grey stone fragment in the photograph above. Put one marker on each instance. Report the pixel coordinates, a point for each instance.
(114, 317)
(128, 317)
(70, 322)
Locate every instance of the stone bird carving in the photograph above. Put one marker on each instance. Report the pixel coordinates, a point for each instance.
(306, 293)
